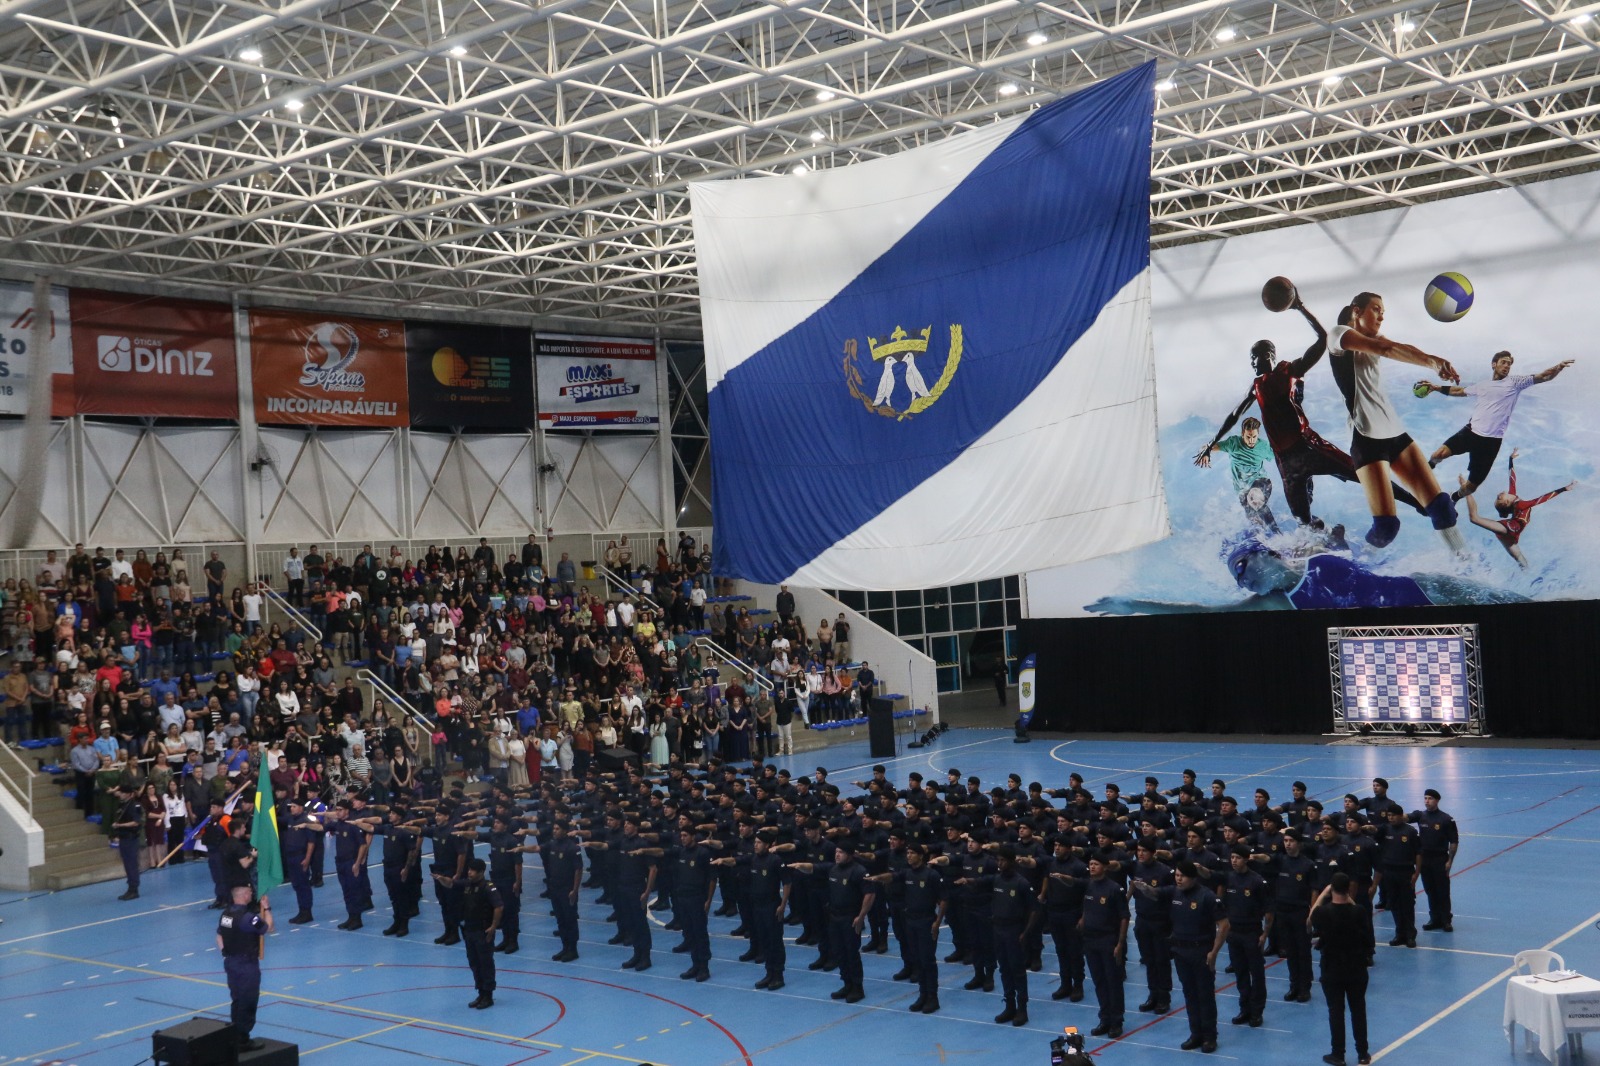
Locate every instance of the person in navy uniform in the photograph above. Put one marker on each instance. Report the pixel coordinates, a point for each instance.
(1105, 944)
(449, 869)
(351, 841)
(1399, 865)
(1016, 911)
(505, 870)
(402, 847)
(298, 838)
(1342, 930)
(1245, 901)
(1061, 891)
(923, 901)
(635, 880)
(481, 910)
(563, 871)
(1439, 839)
(850, 896)
(693, 887)
(239, 931)
(1293, 880)
(1199, 927)
(128, 828)
(767, 889)
(1152, 926)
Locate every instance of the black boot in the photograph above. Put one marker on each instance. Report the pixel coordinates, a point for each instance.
(1006, 1015)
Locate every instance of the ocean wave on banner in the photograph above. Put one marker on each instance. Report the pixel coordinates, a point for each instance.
(1189, 571)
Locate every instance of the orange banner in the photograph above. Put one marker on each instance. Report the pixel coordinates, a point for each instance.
(328, 370)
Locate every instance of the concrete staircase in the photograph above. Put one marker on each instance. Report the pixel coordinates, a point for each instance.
(76, 852)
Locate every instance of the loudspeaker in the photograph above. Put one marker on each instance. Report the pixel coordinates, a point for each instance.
(610, 760)
(880, 729)
(198, 1042)
(271, 1053)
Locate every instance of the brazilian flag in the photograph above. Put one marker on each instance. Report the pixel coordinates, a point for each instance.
(264, 836)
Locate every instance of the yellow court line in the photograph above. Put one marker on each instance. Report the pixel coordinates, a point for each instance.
(353, 1039)
(42, 1054)
(404, 1019)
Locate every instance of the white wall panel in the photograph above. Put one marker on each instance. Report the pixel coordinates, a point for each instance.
(331, 484)
(54, 528)
(474, 485)
(604, 483)
(164, 485)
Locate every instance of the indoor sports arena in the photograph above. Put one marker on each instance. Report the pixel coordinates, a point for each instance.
(727, 534)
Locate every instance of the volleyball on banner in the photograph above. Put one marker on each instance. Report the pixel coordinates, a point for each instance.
(936, 367)
(596, 382)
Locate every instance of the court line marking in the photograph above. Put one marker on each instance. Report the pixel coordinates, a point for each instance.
(103, 921)
(900, 758)
(354, 1039)
(402, 1019)
(1481, 989)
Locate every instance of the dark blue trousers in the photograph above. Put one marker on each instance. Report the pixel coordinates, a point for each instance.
(1199, 989)
(1099, 954)
(244, 986)
(128, 849)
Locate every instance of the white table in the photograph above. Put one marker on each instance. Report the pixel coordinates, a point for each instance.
(1552, 1010)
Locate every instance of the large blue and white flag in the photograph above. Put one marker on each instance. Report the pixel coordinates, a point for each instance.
(936, 367)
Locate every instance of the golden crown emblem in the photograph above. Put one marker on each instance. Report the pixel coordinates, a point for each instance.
(899, 343)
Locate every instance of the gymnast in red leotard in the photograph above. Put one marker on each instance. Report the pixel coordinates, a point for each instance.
(1514, 513)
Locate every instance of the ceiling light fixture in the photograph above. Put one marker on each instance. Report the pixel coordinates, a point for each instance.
(817, 135)
(1166, 85)
(1008, 89)
(251, 54)
(458, 50)
(1408, 26)
(799, 168)
(1331, 80)
(1226, 34)
(1037, 38)
(293, 103)
(825, 95)
(1580, 19)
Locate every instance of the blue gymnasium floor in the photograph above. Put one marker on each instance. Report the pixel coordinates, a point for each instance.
(86, 979)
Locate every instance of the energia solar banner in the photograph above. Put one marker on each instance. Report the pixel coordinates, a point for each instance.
(936, 367)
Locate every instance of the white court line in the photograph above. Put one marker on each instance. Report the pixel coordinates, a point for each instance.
(1481, 989)
(103, 921)
(899, 758)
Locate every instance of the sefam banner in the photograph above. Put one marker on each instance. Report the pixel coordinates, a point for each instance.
(957, 335)
(478, 376)
(328, 370)
(152, 356)
(596, 382)
(17, 316)
(1388, 409)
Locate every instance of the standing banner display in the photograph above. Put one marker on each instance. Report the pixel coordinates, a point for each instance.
(1027, 692)
(596, 382)
(323, 370)
(479, 376)
(152, 356)
(16, 334)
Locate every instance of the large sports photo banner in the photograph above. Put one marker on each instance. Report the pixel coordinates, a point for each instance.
(153, 356)
(478, 376)
(328, 370)
(596, 382)
(1389, 409)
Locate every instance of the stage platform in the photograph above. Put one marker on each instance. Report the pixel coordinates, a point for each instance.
(86, 979)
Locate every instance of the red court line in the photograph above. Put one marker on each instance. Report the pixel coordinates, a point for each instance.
(1525, 840)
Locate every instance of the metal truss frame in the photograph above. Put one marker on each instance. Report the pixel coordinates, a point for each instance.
(529, 159)
(1467, 633)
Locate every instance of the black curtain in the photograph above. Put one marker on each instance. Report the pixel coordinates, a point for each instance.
(1267, 671)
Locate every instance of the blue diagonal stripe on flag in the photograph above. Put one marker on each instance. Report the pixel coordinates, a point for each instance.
(936, 367)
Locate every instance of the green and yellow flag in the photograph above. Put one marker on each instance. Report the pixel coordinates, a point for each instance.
(264, 836)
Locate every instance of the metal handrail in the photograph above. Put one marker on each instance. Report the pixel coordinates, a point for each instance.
(756, 676)
(24, 791)
(384, 689)
(616, 580)
(273, 597)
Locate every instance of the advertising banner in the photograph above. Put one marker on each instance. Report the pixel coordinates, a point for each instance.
(596, 382)
(16, 336)
(328, 370)
(1393, 409)
(153, 356)
(480, 376)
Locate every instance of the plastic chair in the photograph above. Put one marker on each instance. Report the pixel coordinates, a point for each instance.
(1537, 960)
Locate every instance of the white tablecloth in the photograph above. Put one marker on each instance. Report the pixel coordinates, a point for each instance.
(1552, 1009)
